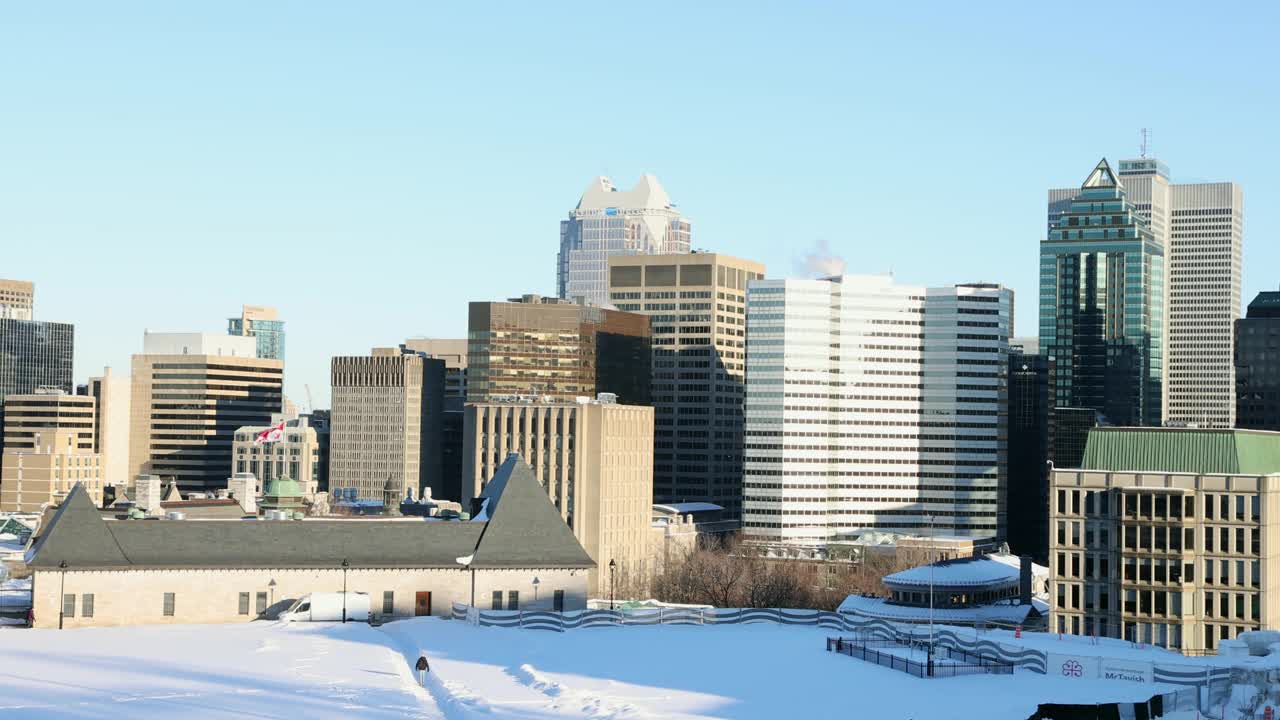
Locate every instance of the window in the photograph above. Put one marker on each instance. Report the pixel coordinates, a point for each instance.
(69, 605)
(497, 600)
(261, 606)
(513, 600)
(244, 603)
(388, 602)
(168, 604)
(1239, 507)
(86, 605)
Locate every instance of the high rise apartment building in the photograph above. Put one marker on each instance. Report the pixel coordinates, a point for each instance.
(875, 406)
(190, 391)
(1102, 313)
(546, 347)
(697, 308)
(17, 300)
(386, 423)
(609, 222)
(264, 325)
(1165, 536)
(595, 459)
(1257, 353)
(1200, 227)
(48, 409)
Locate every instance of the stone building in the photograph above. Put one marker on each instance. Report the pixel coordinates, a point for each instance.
(296, 455)
(92, 571)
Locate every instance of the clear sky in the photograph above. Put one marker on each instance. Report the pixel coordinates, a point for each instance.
(368, 168)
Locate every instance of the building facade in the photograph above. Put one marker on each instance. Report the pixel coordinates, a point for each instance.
(111, 395)
(454, 354)
(17, 300)
(874, 406)
(697, 308)
(1102, 312)
(264, 325)
(34, 354)
(1164, 536)
(44, 472)
(296, 456)
(545, 347)
(1257, 353)
(386, 423)
(190, 391)
(609, 222)
(595, 460)
(26, 416)
(1031, 437)
(321, 422)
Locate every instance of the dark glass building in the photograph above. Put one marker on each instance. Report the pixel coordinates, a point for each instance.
(1257, 351)
(1071, 428)
(1030, 438)
(34, 354)
(1102, 276)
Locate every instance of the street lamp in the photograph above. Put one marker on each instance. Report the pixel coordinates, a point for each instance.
(272, 586)
(613, 565)
(62, 588)
(345, 565)
(535, 591)
(931, 562)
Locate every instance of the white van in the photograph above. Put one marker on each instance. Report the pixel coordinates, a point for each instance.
(327, 607)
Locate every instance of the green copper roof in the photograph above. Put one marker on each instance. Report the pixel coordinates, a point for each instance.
(282, 487)
(1204, 452)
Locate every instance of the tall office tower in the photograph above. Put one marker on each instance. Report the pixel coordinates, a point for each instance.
(555, 348)
(32, 477)
(1102, 304)
(639, 221)
(17, 299)
(1071, 428)
(47, 409)
(386, 423)
(111, 394)
(1030, 442)
(1201, 228)
(697, 307)
(594, 457)
(320, 421)
(33, 354)
(1257, 339)
(454, 355)
(190, 391)
(875, 406)
(262, 323)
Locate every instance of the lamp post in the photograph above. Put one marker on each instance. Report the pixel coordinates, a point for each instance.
(613, 565)
(272, 586)
(62, 588)
(535, 591)
(345, 565)
(931, 561)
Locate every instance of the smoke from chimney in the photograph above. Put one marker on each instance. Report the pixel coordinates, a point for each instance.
(820, 262)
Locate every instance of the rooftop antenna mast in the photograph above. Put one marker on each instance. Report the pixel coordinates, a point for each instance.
(1145, 147)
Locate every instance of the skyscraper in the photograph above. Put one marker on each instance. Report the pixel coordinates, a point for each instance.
(34, 354)
(264, 324)
(874, 406)
(190, 392)
(697, 304)
(539, 346)
(607, 222)
(1201, 228)
(1257, 352)
(17, 299)
(1102, 274)
(1030, 439)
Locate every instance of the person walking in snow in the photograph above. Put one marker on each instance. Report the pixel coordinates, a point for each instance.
(423, 668)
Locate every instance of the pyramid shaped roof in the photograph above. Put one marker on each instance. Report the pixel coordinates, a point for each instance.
(524, 529)
(1101, 177)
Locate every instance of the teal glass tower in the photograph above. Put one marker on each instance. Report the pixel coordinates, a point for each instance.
(1102, 304)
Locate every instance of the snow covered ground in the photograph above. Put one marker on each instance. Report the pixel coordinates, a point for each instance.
(267, 670)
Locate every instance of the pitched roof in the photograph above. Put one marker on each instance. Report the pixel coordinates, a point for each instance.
(524, 527)
(1183, 450)
(1101, 177)
(526, 532)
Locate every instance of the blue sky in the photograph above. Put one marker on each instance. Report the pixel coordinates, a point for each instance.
(370, 167)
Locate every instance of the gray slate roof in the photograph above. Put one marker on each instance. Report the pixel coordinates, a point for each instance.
(78, 535)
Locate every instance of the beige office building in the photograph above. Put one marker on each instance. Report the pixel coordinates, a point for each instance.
(190, 393)
(111, 395)
(17, 299)
(46, 409)
(697, 308)
(384, 431)
(1167, 536)
(595, 459)
(295, 456)
(454, 354)
(44, 473)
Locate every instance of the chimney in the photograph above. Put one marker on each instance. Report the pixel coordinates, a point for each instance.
(1024, 580)
(148, 494)
(243, 487)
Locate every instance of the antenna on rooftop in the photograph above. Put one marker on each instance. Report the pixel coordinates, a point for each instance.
(1145, 147)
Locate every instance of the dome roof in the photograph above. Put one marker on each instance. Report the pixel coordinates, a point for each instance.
(282, 487)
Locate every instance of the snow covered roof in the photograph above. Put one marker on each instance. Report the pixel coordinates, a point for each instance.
(964, 572)
(882, 609)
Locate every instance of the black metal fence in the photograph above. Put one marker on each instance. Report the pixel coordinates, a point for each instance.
(957, 662)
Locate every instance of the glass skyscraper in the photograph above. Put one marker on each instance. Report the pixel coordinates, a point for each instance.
(1102, 275)
(263, 324)
(35, 354)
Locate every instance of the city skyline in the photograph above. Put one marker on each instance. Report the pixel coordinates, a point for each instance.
(322, 151)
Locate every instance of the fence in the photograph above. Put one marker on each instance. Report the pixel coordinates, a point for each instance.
(969, 664)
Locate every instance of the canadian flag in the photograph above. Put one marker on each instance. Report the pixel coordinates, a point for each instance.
(271, 434)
